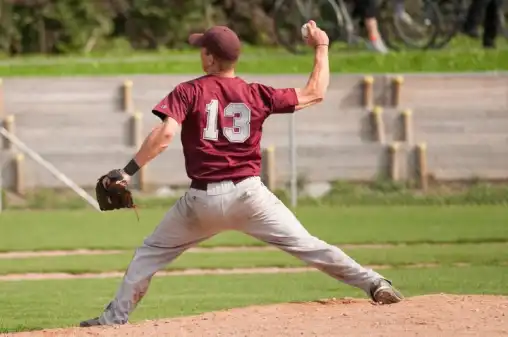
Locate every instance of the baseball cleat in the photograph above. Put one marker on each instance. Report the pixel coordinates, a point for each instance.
(383, 292)
(89, 323)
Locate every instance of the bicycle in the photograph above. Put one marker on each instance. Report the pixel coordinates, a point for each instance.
(333, 16)
(416, 24)
(453, 13)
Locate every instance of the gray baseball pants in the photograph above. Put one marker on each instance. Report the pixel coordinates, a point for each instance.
(248, 207)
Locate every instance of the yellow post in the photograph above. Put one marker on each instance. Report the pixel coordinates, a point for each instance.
(142, 178)
(137, 129)
(2, 112)
(397, 88)
(19, 181)
(128, 103)
(422, 166)
(407, 126)
(378, 124)
(394, 161)
(269, 174)
(8, 125)
(368, 91)
(136, 141)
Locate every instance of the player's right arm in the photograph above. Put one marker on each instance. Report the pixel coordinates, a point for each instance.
(319, 79)
(172, 111)
(288, 100)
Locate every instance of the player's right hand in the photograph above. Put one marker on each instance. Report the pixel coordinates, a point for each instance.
(316, 36)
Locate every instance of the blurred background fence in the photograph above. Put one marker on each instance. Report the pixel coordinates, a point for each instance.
(414, 127)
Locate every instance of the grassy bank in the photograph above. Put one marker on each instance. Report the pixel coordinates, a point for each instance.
(463, 56)
(342, 193)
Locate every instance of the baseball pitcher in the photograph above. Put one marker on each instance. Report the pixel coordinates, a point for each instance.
(221, 118)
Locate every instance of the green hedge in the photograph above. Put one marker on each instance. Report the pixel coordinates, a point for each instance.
(61, 26)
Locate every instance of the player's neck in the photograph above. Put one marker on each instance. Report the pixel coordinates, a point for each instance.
(226, 73)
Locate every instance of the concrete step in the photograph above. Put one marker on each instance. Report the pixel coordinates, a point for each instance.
(468, 161)
(85, 165)
(72, 138)
(465, 140)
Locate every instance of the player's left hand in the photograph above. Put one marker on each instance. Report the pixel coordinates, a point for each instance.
(112, 191)
(116, 177)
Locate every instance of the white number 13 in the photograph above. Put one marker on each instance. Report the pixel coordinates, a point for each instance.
(240, 113)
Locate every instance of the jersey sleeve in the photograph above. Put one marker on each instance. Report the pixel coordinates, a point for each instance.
(175, 104)
(278, 101)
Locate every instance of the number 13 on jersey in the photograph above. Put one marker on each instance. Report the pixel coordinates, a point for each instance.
(239, 112)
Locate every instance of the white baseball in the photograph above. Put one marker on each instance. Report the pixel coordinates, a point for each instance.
(305, 31)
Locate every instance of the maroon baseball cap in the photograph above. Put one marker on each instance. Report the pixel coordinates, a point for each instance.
(220, 41)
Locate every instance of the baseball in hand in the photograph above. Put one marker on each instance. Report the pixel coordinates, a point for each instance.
(305, 31)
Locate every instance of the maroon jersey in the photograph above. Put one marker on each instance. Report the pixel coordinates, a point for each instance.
(222, 121)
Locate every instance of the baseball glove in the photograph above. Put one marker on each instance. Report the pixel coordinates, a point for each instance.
(112, 192)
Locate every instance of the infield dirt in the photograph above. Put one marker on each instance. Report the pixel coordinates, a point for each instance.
(431, 315)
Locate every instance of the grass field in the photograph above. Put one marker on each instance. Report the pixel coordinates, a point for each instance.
(473, 254)
(462, 55)
(459, 249)
(25, 230)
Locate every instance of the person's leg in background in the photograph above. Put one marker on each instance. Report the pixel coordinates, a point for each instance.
(491, 23)
(375, 40)
(475, 13)
(367, 10)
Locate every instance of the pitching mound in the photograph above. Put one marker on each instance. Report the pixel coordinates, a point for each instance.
(433, 315)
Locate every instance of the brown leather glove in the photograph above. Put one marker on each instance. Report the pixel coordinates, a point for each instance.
(112, 192)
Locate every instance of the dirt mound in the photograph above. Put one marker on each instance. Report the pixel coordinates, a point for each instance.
(432, 315)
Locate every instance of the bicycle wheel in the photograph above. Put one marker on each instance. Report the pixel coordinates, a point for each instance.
(414, 24)
(385, 25)
(289, 16)
(453, 14)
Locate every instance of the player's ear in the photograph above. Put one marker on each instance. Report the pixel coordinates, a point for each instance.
(210, 59)
(204, 52)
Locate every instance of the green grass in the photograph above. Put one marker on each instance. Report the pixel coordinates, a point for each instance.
(474, 254)
(466, 56)
(44, 304)
(45, 230)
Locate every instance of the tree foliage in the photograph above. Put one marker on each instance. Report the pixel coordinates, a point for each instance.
(81, 26)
